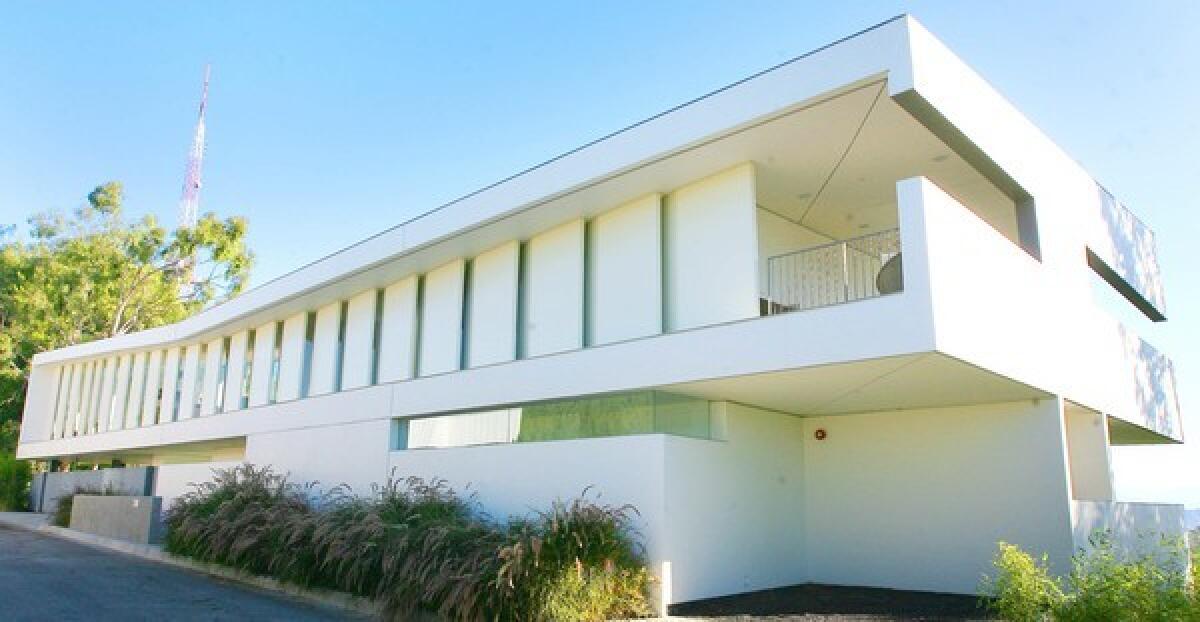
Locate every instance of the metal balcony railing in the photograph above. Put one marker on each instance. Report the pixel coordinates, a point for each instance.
(833, 273)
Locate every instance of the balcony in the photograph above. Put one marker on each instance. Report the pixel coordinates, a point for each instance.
(833, 273)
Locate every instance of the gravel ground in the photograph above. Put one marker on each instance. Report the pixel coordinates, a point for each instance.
(47, 578)
(826, 602)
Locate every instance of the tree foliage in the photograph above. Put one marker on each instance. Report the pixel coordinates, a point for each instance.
(92, 273)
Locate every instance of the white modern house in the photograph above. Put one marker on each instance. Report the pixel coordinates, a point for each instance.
(833, 323)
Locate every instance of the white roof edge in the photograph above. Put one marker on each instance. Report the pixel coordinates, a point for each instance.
(881, 48)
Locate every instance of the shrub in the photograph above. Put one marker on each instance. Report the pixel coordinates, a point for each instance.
(1105, 583)
(1111, 584)
(14, 483)
(416, 545)
(1022, 590)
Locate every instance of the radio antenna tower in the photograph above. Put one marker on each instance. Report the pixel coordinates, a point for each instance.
(189, 202)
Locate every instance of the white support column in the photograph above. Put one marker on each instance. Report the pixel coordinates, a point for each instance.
(492, 320)
(625, 272)
(188, 384)
(64, 400)
(711, 254)
(325, 345)
(137, 390)
(93, 403)
(360, 331)
(156, 382)
(210, 383)
(104, 406)
(120, 392)
(291, 358)
(441, 319)
(397, 344)
(171, 409)
(260, 365)
(553, 293)
(235, 369)
(79, 388)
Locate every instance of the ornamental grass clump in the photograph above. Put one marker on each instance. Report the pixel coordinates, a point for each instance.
(416, 545)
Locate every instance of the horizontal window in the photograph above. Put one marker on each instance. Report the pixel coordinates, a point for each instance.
(639, 412)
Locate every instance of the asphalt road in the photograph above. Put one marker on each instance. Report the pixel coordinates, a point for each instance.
(46, 578)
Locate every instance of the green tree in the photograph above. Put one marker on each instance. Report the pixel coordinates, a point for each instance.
(92, 273)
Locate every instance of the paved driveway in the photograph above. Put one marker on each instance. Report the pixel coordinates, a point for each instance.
(46, 578)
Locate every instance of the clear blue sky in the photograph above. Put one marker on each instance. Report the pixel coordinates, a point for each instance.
(328, 123)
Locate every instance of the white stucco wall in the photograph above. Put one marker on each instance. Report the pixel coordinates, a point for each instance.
(918, 499)
(735, 508)
(1087, 453)
(173, 480)
(352, 454)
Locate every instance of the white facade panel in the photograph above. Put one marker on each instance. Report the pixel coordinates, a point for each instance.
(323, 374)
(63, 407)
(398, 340)
(121, 392)
(235, 370)
(291, 358)
(625, 272)
(441, 319)
(71, 426)
(492, 306)
(104, 407)
(153, 395)
(189, 382)
(211, 383)
(84, 422)
(553, 290)
(260, 366)
(712, 251)
(137, 390)
(358, 349)
(170, 407)
(94, 400)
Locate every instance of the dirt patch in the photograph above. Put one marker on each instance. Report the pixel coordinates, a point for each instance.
(831, 602)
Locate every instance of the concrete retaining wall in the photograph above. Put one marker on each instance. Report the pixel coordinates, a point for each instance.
(47, 488)
(133, 519)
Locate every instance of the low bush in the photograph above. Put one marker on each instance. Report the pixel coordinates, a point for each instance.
(1105, 583)
(416, 545)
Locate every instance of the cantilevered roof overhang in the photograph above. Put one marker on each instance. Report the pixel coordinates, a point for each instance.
(653, 155)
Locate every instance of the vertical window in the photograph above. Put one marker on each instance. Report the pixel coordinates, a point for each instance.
(178, 390)
(276, 351)
(376, 336)
(159, 410)
(197, 404)
(341, 346)
(310, 329)
(247, 371)
(222, 376)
